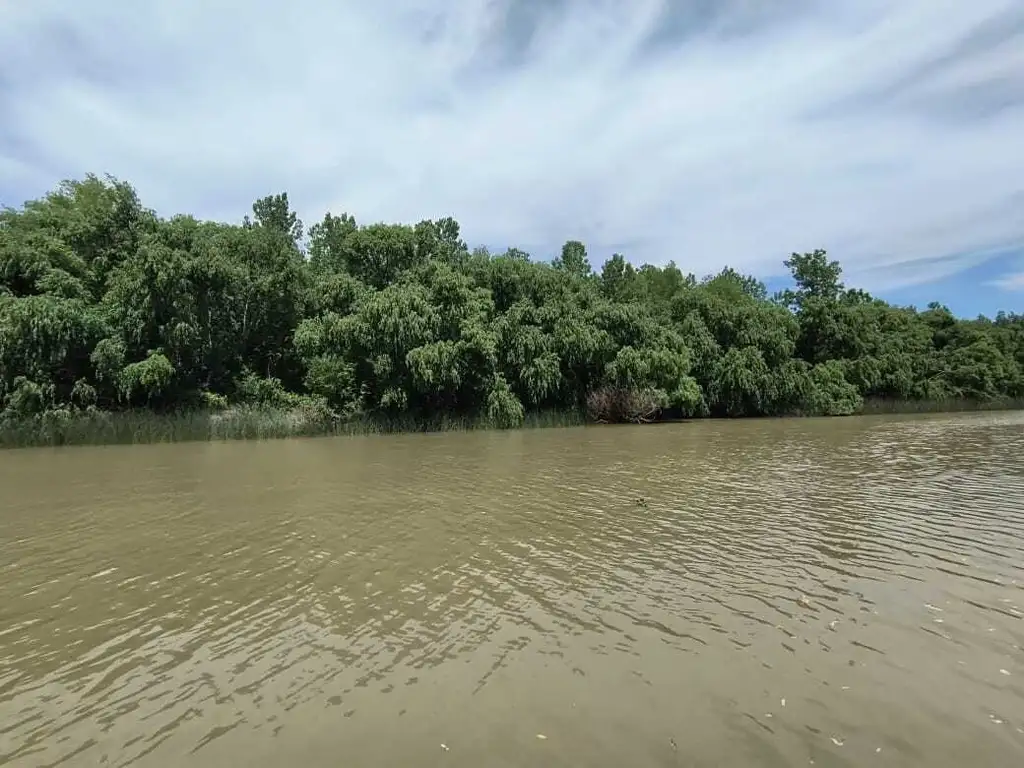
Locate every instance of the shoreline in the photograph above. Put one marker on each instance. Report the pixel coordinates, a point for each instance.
(140, 427)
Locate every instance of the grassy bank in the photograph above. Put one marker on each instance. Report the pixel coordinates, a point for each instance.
(894, 407)
(140, 427)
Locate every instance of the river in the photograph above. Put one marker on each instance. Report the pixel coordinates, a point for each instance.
(759, 593)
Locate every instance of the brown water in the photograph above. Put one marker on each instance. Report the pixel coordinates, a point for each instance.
(753, 593)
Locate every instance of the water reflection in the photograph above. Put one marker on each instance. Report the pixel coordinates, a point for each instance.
(764, 593)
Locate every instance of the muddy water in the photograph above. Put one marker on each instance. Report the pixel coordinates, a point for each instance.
(763, 593)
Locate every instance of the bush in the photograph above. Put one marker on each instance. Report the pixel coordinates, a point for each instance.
(610, 405)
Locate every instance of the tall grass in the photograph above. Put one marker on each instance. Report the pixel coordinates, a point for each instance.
(139, 427)
(379, 424)
(879, 406)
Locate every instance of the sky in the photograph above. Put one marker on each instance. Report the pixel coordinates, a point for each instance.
(708, 132)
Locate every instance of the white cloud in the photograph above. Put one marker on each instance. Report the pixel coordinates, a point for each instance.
(1010, 282)
(891, 133)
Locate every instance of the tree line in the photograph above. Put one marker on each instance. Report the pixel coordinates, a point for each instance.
(105, 306)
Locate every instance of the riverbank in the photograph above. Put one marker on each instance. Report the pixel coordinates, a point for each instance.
(872, 407)
(143, 427)
(140, 427)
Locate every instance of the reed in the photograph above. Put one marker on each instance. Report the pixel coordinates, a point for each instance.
(55, 428)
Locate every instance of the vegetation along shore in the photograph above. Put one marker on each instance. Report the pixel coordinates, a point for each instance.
(117, 325)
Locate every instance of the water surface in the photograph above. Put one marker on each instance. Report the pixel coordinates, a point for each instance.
(762, 593)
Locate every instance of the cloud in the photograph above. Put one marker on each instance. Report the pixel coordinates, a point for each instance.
(710, 132)
(1011, 282)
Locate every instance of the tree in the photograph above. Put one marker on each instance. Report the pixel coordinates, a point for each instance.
(573, 259)
(815, 277)
(272, 213)
(105, 306)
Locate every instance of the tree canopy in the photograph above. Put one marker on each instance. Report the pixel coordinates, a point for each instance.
(105, 305)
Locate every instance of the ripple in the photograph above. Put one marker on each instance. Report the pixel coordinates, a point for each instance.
(631, 593)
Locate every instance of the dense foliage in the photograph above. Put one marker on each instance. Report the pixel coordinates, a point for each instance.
(105, 306)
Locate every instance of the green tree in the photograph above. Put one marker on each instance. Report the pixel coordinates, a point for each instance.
(104, 305)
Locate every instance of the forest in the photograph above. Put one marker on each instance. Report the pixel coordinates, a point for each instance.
(112, 315)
